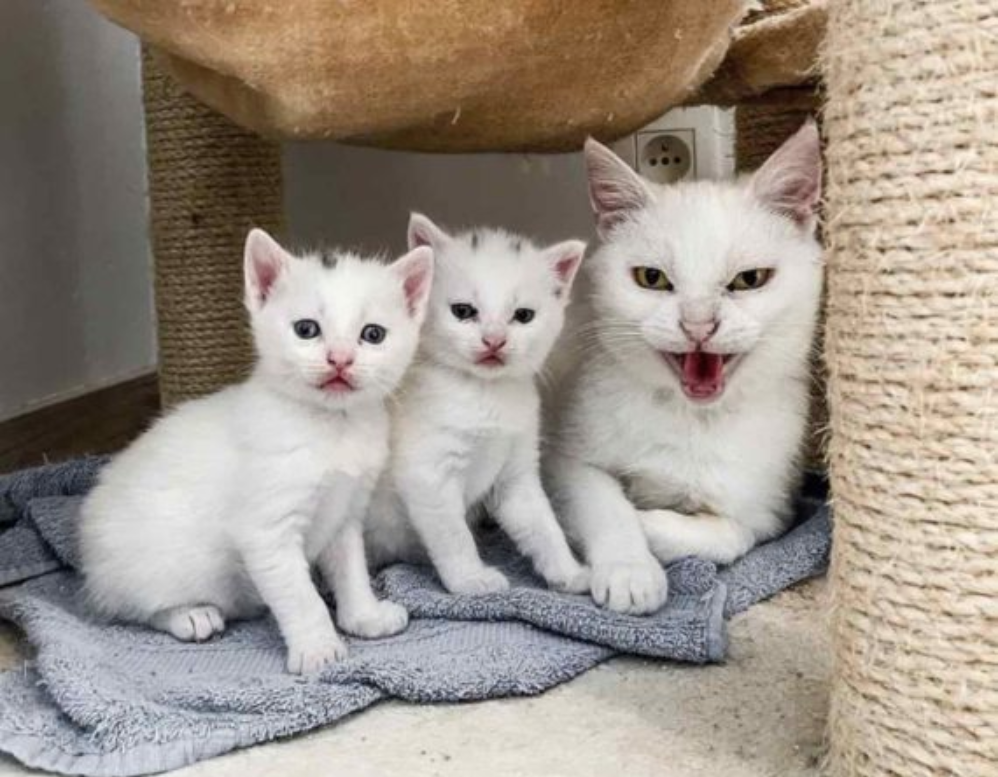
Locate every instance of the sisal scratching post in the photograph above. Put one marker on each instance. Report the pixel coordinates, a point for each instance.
(209, 182)
(763, 123)
(761, 126)
(912, 352)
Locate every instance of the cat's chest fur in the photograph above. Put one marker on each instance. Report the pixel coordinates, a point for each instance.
(472, 425)
(316, 465)
(668, 455)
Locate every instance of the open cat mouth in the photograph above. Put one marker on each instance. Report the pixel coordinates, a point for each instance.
(701, 374)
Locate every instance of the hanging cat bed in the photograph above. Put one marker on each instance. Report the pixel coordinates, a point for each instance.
(448, 76)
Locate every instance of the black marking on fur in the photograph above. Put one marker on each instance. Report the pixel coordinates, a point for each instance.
(474, 240)
(329, 260)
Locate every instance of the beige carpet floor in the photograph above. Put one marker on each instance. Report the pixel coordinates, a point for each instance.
(761, 714)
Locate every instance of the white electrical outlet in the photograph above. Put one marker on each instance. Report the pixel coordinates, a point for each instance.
(685, 144)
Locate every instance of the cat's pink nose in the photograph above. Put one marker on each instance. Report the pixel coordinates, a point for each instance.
(340, 359)
(494, 342)
(700, 331)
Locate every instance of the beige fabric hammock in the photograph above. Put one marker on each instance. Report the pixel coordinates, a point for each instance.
(464, 75)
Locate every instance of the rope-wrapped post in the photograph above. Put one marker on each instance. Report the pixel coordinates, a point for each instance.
(912, 352)
(209, 182)
(761, 126)
(763, 123)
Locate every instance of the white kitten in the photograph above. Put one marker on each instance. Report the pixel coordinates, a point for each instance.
(678, 427)
(223, 505)
(466, 432)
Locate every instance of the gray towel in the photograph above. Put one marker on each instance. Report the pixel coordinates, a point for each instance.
(102, 699)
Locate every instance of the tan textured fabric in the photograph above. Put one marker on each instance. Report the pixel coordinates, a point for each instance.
(776, 48)
(912, 351)
(437, 74)
(209, 182)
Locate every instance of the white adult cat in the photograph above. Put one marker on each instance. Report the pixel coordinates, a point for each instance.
(223, 505)
(466, 432)
(677, 429)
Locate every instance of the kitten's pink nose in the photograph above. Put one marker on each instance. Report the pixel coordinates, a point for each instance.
(700, 331)
(341, 359)
(494, 342)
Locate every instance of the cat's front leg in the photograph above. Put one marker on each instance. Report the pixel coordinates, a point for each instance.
(358, 610)
(626, 577)
(672, 535)
(522, 509)
(277, 566)
(438, 514)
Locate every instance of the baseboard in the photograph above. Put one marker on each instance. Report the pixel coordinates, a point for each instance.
(102, 421)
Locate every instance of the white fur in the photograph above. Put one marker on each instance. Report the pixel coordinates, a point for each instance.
(221, 508)
(638, 471)
(466, 435)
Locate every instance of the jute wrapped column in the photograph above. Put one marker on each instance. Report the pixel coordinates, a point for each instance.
(209, 182)
(763, 123)
(912, 351)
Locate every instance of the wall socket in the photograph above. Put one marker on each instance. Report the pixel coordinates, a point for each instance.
(683, 145)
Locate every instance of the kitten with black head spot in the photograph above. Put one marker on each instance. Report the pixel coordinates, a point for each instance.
(466, 429)
(676, 425)
(219, 510)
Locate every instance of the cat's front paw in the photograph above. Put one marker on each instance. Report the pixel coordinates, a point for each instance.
(312, 656)
(572, 579)
(633, 588)
(483, 580)
(383, 620)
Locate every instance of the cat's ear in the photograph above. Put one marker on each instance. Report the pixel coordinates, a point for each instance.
(789, 182)
(565, 259)
(415, 273)
(423, 232)
(263, 262)
(616, 192)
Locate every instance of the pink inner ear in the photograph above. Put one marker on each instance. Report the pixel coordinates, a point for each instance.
(564, 268)
(803, 195)
(266, 274)
(420, 238)
(789, 182)
(415, 287)
(611, 203)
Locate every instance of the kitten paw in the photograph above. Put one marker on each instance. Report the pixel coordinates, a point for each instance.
(633, 588)
(384, 620)
(190, 624)
(485, 580)
(309, 658)
(574, 579)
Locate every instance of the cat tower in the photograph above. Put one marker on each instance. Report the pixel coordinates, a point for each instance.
(911, 225)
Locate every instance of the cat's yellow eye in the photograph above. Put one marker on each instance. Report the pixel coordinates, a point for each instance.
(747, 280)
(652, 278)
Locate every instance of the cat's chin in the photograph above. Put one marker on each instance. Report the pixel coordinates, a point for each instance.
(490, 370)
(703, 376)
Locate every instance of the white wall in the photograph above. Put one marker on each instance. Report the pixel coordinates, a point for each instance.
(75, 289)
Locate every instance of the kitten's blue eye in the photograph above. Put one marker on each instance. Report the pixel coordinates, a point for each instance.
(523, 315)
(463, 311)
(306, 329)
(374, 334)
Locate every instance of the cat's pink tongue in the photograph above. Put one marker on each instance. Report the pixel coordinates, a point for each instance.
(703, 374)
